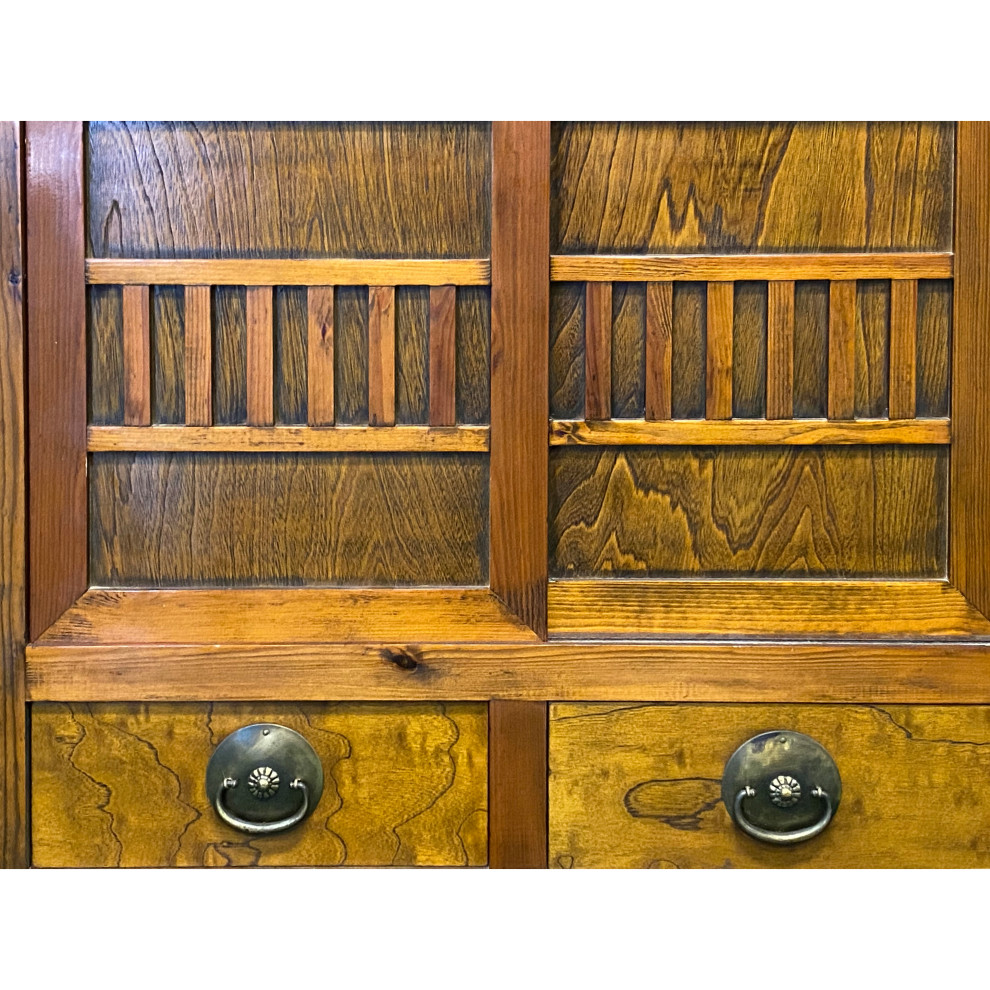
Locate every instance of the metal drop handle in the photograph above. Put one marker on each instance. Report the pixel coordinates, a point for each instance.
(782, 838)
(261, 828)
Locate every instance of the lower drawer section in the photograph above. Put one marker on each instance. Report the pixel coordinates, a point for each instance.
(640, 785)
(124, 785)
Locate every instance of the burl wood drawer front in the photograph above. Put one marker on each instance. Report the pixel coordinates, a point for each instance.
(124, 785)
(639, 785)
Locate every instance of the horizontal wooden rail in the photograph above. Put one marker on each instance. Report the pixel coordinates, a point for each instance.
(260, 439)
(288, 271)
(744, 267)
(691, 432)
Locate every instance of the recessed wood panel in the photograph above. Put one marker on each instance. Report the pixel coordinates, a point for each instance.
(125, 785)
(934, 342)
(664, 511)
(710, 187)
(567, 350)
(640, 785)
(199, 520)
(285, 190)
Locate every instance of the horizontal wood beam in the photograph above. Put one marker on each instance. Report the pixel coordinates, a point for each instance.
(288, 271)
(743, 267)
(692, 432)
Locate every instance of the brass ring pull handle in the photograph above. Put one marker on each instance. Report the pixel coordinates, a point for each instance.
(261, 828)
(782, 838)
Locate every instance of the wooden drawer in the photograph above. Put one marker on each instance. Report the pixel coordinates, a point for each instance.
(124, 785)
(639, 785)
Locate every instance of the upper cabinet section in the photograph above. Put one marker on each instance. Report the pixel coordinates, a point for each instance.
(654, 188)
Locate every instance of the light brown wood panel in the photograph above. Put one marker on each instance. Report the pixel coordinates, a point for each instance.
(780, 350)
(162, 520)
(811, 348)
(598, 351)
(688, 350)
(381, 355)
(718, 352)
(841, 350)
(640, 786)
(872, 346)
(712, 187)
(829, 511)
(628, 372)
(168, 381)
(749, 350)
(229, 368)
(290, 374)
(412, 357)
(473, 353)
(934, 338)
(198, 342)
(443, 355)
(350, 355)
(567, 349)
(260, 355)
(288, 190)
(903, 348)
(137, 355)
(125, 785)
(105, 353)
(659, 332)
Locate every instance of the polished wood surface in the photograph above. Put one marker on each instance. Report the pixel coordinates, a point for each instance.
(598, 351)
(659, 332)
(780, 350)
(718, 352)
(259, 366)
(443, 355)
(841, 350)
(137, 355)
(640, 786)
(381, 355)
(198, 349)
(125, 785)
(903, 348)
(319, 355)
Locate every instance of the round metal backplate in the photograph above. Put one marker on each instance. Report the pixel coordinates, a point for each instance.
(779, 754)
(268, 747)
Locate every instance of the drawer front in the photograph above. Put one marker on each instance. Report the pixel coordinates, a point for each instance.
(125, 785)
(640, 785)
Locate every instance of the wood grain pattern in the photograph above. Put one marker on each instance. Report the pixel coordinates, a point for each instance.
(659, 333)
(765, 609)
(170, 520)
(260, 356)
(105, 347)
(137, 355)
(168, 383)
(519, 381)
(124, 785)
(351, 357)
(567, 432)
(229, 365)
(13, 712)
(443, 356)
(934, 340)
(969, 563)
(319, 355)
(291, 339)
(517, 784)
(746, 187)
(688, 350)
(780, 349)
(381, 355)
(811, 349)
(828, 511)
(598, 351)
(749, 350)
(262, 190)
(718, 352)
(872, 347)
(56, 353)
(473, 352)
(903, 348)
(639, 786)
(841, 350)
(628, 372)
(412, 357)
(566, 349)
(198, 341)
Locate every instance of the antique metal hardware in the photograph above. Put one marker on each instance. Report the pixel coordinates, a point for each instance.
(781, 787)
(264, 778)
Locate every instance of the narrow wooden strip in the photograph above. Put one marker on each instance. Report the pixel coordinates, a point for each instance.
(381, 355)
(443, 355)
(903, 348)
(137, 355)
(517, 784)
(260, 356)
(718, 364)
(56, 304)
(747, 431)
(741, 267)
(198, 337)
(319, 359)
(520, 366)
(780, 350)
(598, 351)
(766, 609)
(659, 350)
(286, 271)
(842, 350)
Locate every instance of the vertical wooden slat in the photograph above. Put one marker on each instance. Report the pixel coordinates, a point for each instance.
(842, 349)
(780, 350)
(517, 784)
(137, 355)
(718, 366)
(969, 494)
(260, 356)
(381, 355)
(56, 369)
(443, 355)
(198, 339)
(520, 361)
(598, 351)
(903, 348)
(13, 712)
(319, 361)
(659, 352)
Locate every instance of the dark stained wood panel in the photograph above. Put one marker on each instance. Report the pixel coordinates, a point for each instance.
(291, 342)
(629, 350)
(164, 520)
(810, 348)
(711, 187)
(872, 346)
(749, 350)
(168, 380)
(473, 336)
(286, 190)
(124, 785)
(105, 352)
(688, 350)
(934, 344)
(229, 355)
(350, 355)
(567, 350)
(664, 511)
